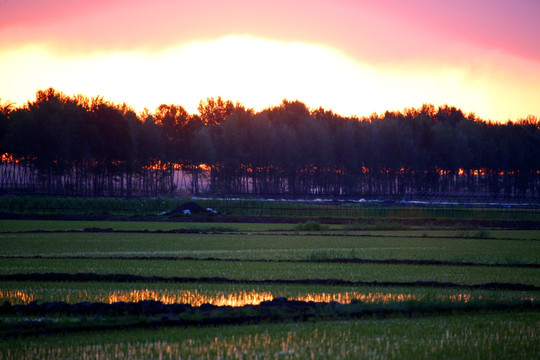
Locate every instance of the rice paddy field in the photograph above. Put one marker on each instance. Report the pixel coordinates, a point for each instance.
(269, 290)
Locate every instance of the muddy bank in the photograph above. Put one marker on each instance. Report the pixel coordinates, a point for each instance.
(153, 314)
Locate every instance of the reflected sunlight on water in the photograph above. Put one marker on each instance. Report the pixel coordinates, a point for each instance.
(16, 296)
(393, 339)
(192, 297)
(221, 298)
(348, 297)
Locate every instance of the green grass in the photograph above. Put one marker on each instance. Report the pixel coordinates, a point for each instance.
(62, 225)
(376, 229)
(275, 271)
(399, 245)
(485, 336)
(371, 210)
(311, 226)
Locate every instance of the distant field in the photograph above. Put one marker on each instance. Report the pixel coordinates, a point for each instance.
(501, 247)
(52, 225)
(158, 207)
(248, 263)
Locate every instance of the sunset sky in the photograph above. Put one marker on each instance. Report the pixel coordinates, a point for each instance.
(354, 57)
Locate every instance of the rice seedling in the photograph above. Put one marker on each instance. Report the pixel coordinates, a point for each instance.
(258, 271)
(247, 245)
(486, 336)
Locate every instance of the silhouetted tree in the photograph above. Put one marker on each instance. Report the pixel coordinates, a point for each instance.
(5, 110)
(82, 145)
(215, 111)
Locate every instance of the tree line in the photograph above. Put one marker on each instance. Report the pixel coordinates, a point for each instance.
(88, 146)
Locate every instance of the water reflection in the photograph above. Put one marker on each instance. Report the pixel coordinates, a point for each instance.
(16, 296)
(348, 297)
(219, 298)
(192, 297)
(509, 334)
(196, 298)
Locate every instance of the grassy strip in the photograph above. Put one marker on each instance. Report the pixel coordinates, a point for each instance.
(455, 232)
(7, 226)
(192, 230)
(246, 246)
(259, 271)
(313, 258)
(482, 234)
(90, 277)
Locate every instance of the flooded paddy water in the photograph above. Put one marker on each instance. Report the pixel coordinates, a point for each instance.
(240, 295)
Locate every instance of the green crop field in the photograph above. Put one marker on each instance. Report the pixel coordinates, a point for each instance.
(485, 336)
(437, 291)
(502, 246)
(242, 270)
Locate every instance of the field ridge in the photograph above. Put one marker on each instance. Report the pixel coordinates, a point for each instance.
(153, 314)
(87, 277)
(329, 260)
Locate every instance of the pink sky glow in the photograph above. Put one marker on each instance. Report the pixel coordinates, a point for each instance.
(482, 56)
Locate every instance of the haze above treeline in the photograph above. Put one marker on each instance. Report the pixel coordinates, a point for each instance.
(285, 149)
